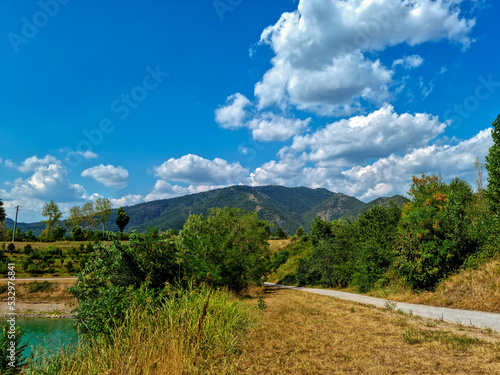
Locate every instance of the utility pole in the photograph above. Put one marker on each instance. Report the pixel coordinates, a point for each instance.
(15, 225)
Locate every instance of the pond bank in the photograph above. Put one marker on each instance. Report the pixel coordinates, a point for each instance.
(55, 310)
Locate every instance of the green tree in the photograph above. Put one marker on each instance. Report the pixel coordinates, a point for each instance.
(88, 215)
(103, 211)
(20, 235)
(122, 219)
(377, 229)
(320, 230)
(300, 232)
(492, 164)
(227, 248)
(58, 233)
(52, 213)
(280, 234)
(3, 234)
(30, 236)
(2, 212)
(75, 218)
(433, 238)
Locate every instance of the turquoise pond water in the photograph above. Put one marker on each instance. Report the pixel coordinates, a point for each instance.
(47, 333)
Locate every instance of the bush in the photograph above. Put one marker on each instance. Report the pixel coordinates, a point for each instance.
(279, 258)
(227, 248)
(113, 274)
(77, 234)
(3, 268)
(28, 249)
(70, 267)
(280, 234)
(11, 248)
(53, 251)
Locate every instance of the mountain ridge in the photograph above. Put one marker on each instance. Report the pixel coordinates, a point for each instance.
(287, 207)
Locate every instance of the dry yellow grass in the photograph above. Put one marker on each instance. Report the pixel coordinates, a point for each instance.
(59, 292)
(473, 289)
(302, 333)
(277, 245)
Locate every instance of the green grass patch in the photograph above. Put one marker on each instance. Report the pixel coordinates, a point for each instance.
(38, 287)
(452, 341)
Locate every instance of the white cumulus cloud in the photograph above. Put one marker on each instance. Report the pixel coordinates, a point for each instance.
(386, 176)
(233, 114)
(321, 49)
(32, 163)
(409, 62)
(196, 170)
(270, 127)
(108, 175)
(47, 182)
(127, 200)
(381, 133)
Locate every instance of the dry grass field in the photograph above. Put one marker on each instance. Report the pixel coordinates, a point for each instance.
(277, 245)
(472, 289)
(302, 333)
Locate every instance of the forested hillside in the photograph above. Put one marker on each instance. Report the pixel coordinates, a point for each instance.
(285, 207)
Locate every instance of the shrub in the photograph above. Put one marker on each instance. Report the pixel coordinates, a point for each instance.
(280, 234)
(114, 273)
(70, 267)
(279, 258)
(11, 248)
(227, 248)
(28, 249)
(77, 234)
(53, 251)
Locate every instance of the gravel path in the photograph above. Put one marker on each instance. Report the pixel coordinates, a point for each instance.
(465, 317)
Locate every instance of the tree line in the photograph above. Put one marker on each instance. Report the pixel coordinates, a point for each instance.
(81, 220)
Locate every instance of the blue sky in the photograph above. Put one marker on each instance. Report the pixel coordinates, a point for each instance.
(137, 101)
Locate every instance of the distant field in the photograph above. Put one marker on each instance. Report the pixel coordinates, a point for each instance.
(70, 252)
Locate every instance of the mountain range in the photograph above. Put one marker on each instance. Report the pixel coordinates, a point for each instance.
(286, 207)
